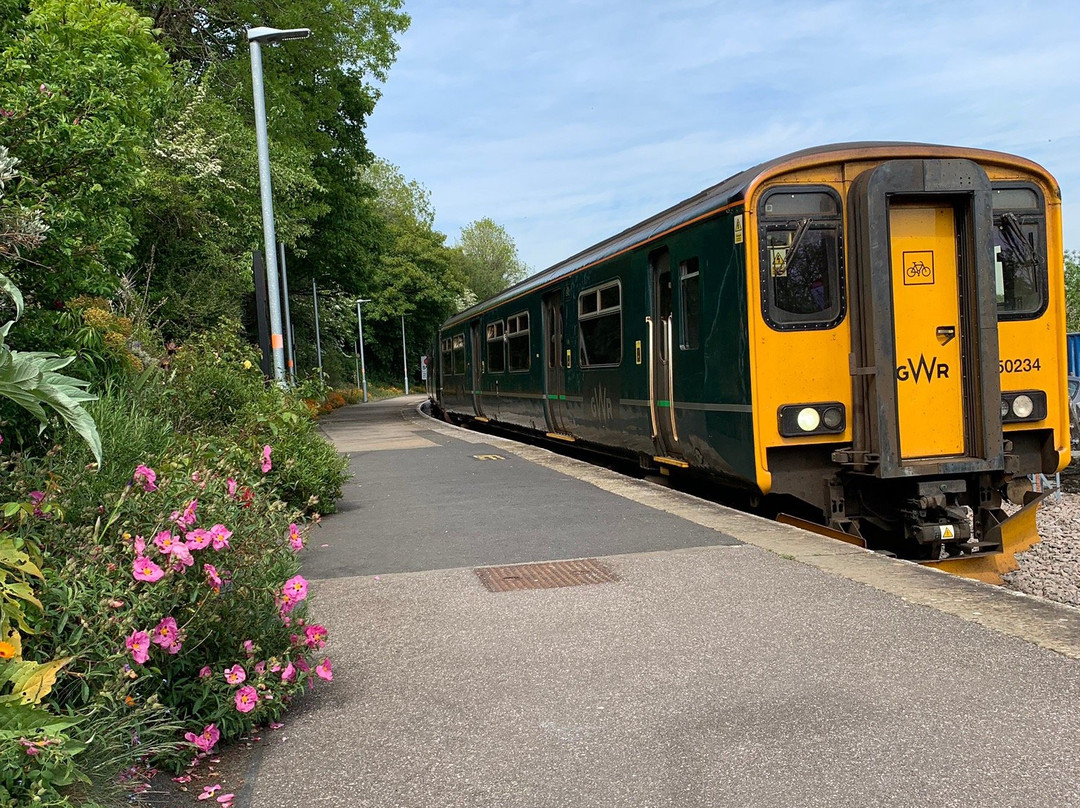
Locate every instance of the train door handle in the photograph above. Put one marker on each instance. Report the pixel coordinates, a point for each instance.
(946, 333)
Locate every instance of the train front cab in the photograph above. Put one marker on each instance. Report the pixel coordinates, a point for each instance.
(915, 306)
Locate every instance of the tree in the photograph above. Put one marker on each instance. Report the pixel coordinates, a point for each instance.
(1072, 290)
(81, 83)
(491, 258)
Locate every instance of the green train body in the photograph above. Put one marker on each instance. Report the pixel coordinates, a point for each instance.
(677, 342)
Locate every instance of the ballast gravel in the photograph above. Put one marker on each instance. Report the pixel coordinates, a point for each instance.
(1051, 569)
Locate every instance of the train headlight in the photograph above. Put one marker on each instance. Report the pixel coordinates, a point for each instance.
(1023, 405)
(801, 420)
(808, 419)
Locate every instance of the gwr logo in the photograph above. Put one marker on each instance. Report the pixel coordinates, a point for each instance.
(920, 370)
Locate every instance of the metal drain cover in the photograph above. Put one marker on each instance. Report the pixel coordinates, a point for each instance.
(545, 576)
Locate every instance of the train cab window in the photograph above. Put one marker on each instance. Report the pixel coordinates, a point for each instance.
(600, 325)
(496, 347)
(801, 254)
(459, 354)
(1019, 252)
(690, 303)
(517, 337)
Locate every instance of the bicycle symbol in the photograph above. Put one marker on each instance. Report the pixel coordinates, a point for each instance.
(918, 269)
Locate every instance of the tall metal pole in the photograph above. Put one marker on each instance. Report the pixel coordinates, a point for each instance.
(404, 355)
(290, 336)
(318, 338)
(273, 293)
(360, 328)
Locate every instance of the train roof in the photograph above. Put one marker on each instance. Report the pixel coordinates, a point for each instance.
(731, 190)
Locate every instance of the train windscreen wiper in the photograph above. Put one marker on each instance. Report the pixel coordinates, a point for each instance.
(1015, 237)
(800, 231)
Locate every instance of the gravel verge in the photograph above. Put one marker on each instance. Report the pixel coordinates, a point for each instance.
(1051, 569)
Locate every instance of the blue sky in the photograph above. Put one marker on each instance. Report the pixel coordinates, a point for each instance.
(567, 122)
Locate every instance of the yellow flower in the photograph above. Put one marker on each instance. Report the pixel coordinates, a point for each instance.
(7, 650)
(247, 364)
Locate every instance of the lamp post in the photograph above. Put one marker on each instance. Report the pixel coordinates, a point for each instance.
(404, 355)
(256, 36)
(360, 330)
(318, 338)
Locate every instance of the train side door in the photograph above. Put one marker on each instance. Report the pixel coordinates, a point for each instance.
(476, 356)
(929, 335)
(554, 372)
(662, 357)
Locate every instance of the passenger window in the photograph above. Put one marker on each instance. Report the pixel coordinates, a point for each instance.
(517, 332)
(447, 367)
(496, 348)
(459, 354)
(600, 325)
(1020, 279)
(801, 259)
(690, 297)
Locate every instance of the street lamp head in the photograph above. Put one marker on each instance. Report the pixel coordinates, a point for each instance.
(264, 34)
(363, 300)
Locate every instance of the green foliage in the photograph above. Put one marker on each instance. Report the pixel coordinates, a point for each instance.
(1072, 290)
(490, 258)
(81, 81)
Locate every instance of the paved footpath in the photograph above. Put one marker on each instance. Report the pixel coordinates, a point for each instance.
(736, 662)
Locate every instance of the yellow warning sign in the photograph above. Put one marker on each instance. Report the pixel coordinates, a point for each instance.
(739, 229)
(947, 532)
(778, 261)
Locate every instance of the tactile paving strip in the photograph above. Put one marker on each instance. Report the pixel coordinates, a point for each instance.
(545, 576)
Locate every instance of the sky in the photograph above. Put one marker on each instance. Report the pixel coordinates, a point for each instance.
(567, 122)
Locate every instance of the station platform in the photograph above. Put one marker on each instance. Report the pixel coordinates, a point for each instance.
(716, 659)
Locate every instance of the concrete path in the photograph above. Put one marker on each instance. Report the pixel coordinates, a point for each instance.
(735, 662)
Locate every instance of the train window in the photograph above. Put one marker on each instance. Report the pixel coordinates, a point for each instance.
(600, 325)
(447, 367)
(496, 348)
(459, 354)
(1019, 252)
(801, 254)
(517, 333)
(690, 297)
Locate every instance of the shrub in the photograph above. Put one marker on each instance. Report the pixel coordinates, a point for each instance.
(188, 571)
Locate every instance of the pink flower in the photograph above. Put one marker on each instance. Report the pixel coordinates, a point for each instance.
(266, 465)
(249, 648)
(209, 791)
(175, 646)
(260, 667)
(145, 476)
(140, 545)
(205, 672)
(206, 741)
(316, 636)
(212, 577)
(181, 556)
(198, 538)
(301, 663)
(289, 674)
(230, 487)
(323, 671)
(226, 800)
(246, 699)
(296, 589)
(166, 632)
(296, 539)
(220, 536)
(139, 645)
(187, 518)
(146, 570)
(165, 541)
(235, 675)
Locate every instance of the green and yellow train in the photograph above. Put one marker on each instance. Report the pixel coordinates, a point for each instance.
(875, 329)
